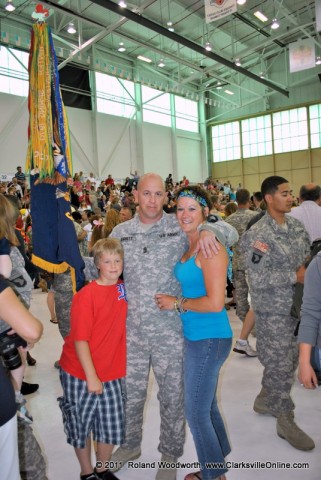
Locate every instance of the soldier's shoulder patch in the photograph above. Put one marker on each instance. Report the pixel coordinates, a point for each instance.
(262, 247)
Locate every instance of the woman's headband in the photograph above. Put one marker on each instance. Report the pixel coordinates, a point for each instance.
(190, 194)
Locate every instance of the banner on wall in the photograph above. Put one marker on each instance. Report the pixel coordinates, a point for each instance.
(216, 9)
(302, 55)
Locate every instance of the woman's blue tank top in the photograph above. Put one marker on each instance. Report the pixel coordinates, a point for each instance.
(196, 325)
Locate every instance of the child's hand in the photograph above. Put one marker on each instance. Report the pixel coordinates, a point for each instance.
(94, 385)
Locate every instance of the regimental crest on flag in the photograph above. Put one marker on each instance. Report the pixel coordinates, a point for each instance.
(40, 14)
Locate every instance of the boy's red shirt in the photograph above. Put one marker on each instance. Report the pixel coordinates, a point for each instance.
(98, 316)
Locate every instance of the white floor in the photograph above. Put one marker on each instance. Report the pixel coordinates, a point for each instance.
(253, 437)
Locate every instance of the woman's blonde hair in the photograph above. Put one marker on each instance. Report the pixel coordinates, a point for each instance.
(103, 231)
(8, 218)
(107, 245)
(111, 220)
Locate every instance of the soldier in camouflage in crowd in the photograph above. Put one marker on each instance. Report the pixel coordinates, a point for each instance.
(273, 252)
(32, 465)
(240, 220)
(153, 242)
(62, 287)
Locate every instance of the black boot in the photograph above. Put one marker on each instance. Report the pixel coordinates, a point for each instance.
(30, 360)
(28, 388)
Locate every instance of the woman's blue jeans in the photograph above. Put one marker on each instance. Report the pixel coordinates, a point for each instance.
(202, 363)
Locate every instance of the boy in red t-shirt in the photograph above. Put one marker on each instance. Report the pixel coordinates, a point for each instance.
(93, 361)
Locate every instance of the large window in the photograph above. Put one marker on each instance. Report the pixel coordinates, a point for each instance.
(14, 78)
(315, 125)
(257, 136)
(115, 96)
(186, 114)
(290, 130)
(226, 142)
(156, 106)
(279, 132)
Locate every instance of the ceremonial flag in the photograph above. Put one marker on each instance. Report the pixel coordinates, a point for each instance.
(55, 245)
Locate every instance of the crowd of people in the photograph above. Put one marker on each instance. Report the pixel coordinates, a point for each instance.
(180, 250)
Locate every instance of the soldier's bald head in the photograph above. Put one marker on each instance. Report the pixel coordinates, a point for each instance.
(310, 191)
(147, 178)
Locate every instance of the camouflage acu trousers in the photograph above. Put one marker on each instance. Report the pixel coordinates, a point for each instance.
(164, 353)
(63, 297)
(241, 294)
(278, 353)
(32, 464)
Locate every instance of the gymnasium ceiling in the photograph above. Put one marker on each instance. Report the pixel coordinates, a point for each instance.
(189, 70)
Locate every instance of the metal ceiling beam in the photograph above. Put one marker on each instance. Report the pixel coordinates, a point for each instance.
(124, 12)
(248, 22)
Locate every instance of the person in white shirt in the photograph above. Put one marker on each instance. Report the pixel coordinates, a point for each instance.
(309, 211)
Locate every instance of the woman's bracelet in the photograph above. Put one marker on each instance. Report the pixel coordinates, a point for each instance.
(179, 305)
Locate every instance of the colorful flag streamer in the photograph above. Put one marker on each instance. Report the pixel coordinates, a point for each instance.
(49, 161)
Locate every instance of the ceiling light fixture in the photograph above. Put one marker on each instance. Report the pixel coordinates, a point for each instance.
(275, 24)
(208, 47)
(229, 92)
(262, 75)
(260, 16)
(238, 62)
(122, 4)
(219, 86)
(10, 6)
(71, 28)
(241, 2)
(318, 61)
(170, 26)
(144, 59)
(161, 63)
(121, 47)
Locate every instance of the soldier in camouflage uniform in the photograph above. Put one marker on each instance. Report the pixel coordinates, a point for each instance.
(273, 252)
(62, 286)
(240, 220)
(32, 464)
(153, 242)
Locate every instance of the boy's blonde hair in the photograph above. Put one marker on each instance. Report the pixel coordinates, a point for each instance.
(107, 245)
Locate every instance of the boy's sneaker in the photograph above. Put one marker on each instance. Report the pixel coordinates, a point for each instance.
(106, 475)
(22, 412)
(244, 349)
(91, 476)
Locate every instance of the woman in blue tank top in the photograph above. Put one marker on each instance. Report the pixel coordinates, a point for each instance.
(207, 334)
